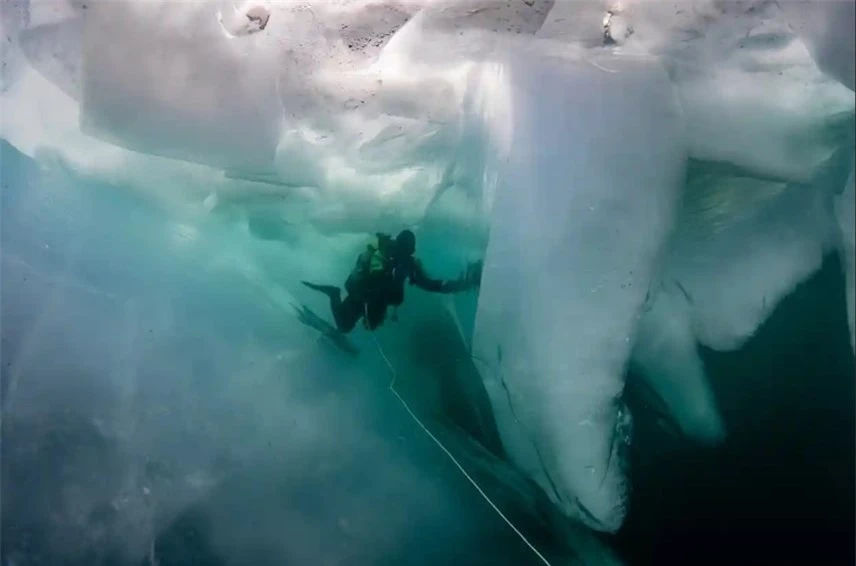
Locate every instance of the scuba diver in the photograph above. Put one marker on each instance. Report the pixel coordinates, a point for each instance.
(377, 281)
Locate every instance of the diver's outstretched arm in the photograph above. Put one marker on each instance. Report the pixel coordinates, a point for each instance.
(466, 282)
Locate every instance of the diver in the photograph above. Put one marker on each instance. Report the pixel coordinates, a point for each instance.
(377, 281)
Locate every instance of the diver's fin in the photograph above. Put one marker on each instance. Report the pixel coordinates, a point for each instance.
(329, 290)
(329, 333)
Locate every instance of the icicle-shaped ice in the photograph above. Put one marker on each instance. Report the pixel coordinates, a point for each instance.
(586, 196)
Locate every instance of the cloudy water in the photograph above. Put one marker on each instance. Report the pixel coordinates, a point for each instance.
(630, 337)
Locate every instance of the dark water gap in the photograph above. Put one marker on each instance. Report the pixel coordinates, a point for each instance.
(781, 489)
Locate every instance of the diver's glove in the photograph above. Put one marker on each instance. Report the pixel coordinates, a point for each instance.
(470, 279)
(455, 286)
(474, 274)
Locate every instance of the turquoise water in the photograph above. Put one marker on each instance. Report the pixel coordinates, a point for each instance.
(150, 396)
(157, 396)
(780, 490)
(656, 368)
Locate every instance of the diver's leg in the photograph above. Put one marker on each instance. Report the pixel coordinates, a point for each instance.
(347, 313)
(331, 291)
(375, 313)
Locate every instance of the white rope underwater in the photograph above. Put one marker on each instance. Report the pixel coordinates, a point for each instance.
(445, 450)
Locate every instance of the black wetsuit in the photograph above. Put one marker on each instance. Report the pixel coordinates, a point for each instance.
(376, 283)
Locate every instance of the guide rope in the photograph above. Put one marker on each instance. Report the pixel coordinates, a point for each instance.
(445, 450)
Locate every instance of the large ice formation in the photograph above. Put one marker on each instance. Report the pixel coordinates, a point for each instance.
(587, 191)
(640, 177)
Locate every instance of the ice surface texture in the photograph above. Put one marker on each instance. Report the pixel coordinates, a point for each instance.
(586, 194)
(541, 132)
(147, 376)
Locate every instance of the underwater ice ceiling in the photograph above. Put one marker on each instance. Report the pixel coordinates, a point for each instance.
(639, 176)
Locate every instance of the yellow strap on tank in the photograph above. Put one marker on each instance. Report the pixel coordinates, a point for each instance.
(378, 261)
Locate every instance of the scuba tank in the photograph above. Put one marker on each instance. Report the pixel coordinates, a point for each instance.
(376, 258)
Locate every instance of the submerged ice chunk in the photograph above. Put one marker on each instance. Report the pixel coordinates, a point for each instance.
(826, 26)
(585, 198)
(742, 245)
(666, 358)
(751, 93)
(162, 78)
(14, 16)
(54, 50)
